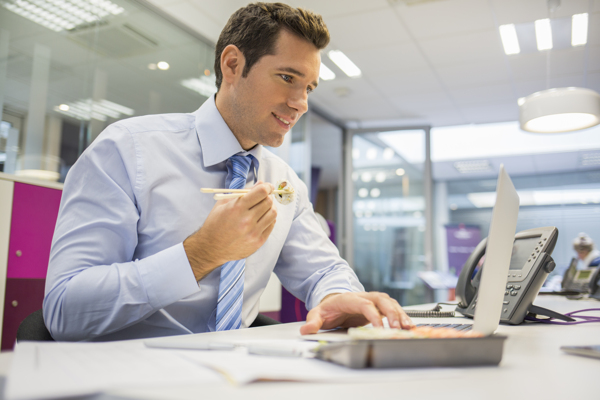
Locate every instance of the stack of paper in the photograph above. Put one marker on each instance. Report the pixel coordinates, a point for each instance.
(240, 368)
(60, 370)
(44, 370)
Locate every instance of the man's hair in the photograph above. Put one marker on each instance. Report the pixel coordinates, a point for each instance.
(254, 29)
(583, 243)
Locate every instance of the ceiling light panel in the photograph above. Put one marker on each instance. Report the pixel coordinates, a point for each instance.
(205, 85)
(344, 63)
(88, 109)
(527, 35)
(590, 159)
(60, 15)
(543, 34)
(325, 73)
(465, 167)
(579, 29)
(508, 34)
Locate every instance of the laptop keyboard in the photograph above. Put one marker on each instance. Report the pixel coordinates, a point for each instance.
(458, 327)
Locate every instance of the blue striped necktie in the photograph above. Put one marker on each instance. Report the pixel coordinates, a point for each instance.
(231, 286)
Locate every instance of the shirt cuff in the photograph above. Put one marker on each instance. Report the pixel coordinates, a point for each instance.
(167, 276)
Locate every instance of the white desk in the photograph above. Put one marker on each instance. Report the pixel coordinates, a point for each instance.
(533, 367)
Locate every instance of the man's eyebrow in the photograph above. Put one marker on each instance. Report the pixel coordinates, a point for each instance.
(298, 73)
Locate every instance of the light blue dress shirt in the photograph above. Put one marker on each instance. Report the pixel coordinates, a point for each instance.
(118, 269)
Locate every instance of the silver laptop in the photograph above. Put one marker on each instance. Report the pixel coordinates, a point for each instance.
(499, 249)
(495, 268)
(497, 256)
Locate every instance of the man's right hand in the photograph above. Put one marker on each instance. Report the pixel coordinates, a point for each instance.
(234, 229)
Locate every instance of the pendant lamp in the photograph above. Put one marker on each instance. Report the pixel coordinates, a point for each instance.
(559, 110)
(562, 109)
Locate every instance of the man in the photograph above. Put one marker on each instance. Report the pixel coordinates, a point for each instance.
(139, 251)
(588, 256)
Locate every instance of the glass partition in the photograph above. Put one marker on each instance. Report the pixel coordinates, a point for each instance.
(557, 177)
(70, 68)
(389, 219)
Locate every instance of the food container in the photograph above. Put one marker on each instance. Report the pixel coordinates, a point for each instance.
(414, 353)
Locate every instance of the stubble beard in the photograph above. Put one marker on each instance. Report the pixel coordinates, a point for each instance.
(242, 125)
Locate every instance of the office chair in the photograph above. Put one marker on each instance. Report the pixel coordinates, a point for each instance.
(263, 320)
(33, 328)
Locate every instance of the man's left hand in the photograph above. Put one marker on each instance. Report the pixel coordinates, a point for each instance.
(355, 309)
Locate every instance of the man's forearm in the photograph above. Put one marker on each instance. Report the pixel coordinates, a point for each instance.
(201, 259)
(83, 303)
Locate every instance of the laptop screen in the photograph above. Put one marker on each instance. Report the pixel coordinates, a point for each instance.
(498, 256)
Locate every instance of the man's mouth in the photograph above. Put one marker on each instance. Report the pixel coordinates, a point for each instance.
(281, 119)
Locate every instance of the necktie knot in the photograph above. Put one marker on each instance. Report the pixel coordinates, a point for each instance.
(238, 170)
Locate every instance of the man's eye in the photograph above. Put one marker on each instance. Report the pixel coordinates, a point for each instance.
(309, 89)
(286, 78)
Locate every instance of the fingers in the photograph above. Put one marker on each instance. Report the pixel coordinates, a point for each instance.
(389, 307)
(314, 322)
(356, 309)
(265, 211)
(257, 194)
(371, 313)
(267, 231)
(269, 214)
(263, 208)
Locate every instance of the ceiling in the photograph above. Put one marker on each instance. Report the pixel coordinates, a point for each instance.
(429, 62)
(119, 51)
(423, 62)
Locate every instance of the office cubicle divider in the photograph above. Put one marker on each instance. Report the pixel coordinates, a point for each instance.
(30, 209)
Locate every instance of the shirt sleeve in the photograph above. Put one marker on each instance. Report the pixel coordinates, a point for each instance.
(94, 286)
(309, 265)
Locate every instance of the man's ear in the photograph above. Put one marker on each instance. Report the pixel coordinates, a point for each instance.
(232, 63)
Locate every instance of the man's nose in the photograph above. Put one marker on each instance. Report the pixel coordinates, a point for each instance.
(299, 101)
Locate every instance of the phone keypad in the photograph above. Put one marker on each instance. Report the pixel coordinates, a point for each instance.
(512, 290)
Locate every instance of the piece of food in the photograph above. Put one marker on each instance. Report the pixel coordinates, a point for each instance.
(285, 198)
(423, 332)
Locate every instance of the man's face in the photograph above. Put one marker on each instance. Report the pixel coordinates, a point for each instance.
(582, 254)
(271, 99)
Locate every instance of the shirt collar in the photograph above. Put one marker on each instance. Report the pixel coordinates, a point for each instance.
(217, 141)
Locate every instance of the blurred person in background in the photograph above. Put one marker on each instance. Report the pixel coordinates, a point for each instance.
(587, 253)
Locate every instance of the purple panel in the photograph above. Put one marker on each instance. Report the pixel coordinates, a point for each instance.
(331, 226)
(315, 174)
(23, 296)
(34, 213)
(271, 314)
(292, 309)
(461, 240)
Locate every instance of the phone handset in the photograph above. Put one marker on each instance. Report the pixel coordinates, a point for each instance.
(467, 284)
(530, 264)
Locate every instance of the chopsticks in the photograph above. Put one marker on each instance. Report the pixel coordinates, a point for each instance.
(221, 194)
(207, 190)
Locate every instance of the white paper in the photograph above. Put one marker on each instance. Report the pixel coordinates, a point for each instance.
(241, 368)
(43, 370)
(283, 348)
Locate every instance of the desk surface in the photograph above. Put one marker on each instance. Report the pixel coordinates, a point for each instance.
(533, 367)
